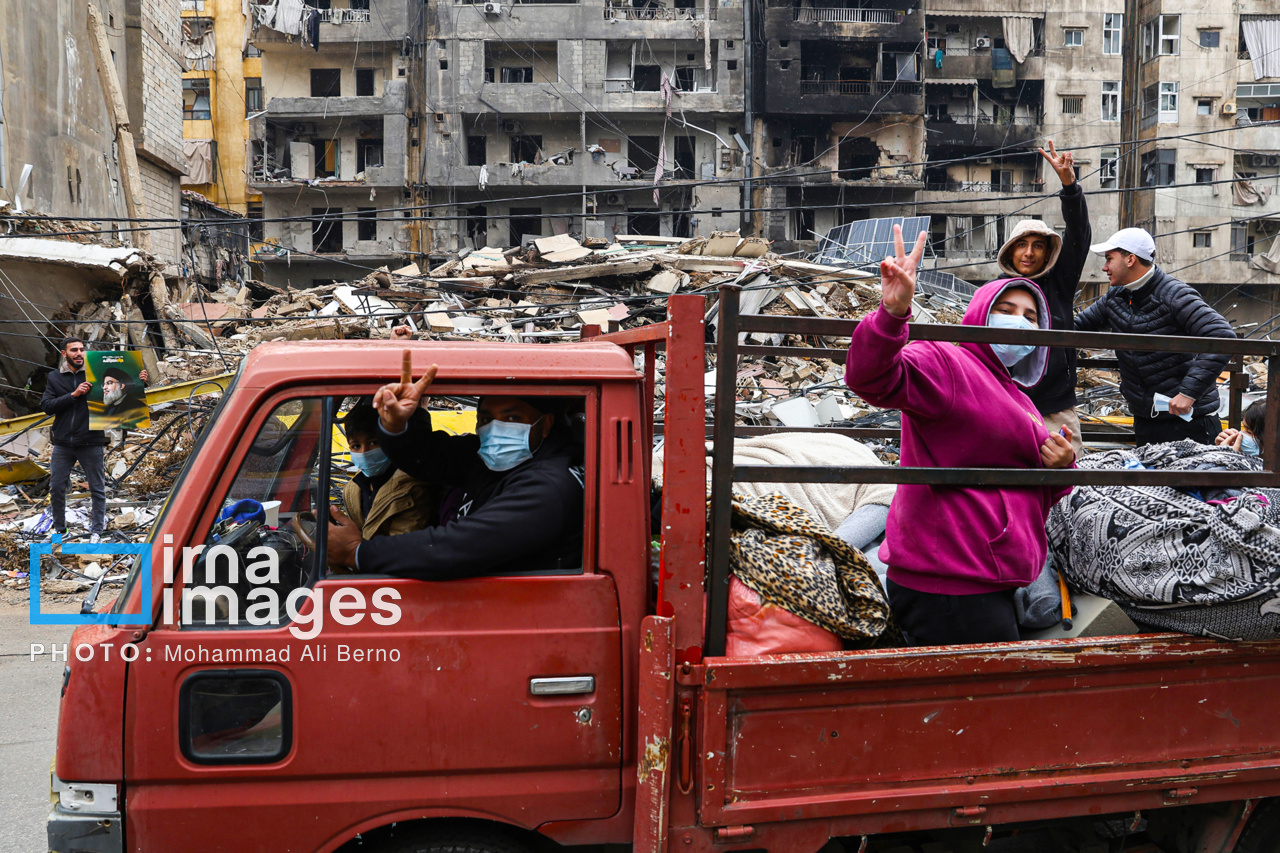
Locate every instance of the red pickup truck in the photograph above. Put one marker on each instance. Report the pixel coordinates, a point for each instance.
(287, 708)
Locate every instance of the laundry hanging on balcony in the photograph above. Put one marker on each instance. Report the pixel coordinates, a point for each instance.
(1019, 37)
(198, 154)
(1245, 192)
(1002, 75)
(198, 45)
(283, 16)
(1262, 38)
(1270, 262)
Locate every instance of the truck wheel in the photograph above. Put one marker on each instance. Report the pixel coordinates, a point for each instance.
(1262, 832)
(456, 840)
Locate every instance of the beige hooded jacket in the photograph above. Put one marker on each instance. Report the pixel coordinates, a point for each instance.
(1022, 229)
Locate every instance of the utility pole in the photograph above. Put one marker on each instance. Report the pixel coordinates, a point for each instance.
(1130, 171)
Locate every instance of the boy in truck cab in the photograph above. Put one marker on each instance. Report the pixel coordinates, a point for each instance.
(518, 501)
(382, 499)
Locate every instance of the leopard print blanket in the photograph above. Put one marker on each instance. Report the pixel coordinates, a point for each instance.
(793, 561)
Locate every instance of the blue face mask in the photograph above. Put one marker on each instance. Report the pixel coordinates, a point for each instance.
(371, 464)
(1249, 445)
(1010, 354)
(504, 445)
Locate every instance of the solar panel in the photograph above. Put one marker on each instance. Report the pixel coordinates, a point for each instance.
(868, 241)
(944, 284)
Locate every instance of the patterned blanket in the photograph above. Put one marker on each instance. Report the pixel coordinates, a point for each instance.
(1169, 557)
(792, 560)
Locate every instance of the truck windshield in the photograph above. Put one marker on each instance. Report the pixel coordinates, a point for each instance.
(135, 570)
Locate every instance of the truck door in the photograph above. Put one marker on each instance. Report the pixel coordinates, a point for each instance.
(495, 697)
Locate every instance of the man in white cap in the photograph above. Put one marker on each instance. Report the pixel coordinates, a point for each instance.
(1172, 395)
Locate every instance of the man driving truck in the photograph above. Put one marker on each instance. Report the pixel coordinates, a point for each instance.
(517, 501)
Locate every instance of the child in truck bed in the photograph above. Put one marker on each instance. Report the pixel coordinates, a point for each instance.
(957, 554)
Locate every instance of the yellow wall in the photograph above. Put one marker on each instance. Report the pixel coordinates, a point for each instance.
(226, 102)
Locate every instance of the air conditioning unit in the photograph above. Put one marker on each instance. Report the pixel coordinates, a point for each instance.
(1228, 108)
(510, 127)
(982, 41)
(613, 198)
(493, 8)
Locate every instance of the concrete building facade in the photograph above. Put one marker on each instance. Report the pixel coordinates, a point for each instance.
(596, 118)
(55, 119)
(330, 151)
(1159, 100)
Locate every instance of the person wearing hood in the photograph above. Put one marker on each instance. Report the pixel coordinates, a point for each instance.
(1055, 263)
(381, 499)
(1172, 395)
(517, 498)
(957, 554)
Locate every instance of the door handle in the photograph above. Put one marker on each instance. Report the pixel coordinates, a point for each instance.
(564, 685)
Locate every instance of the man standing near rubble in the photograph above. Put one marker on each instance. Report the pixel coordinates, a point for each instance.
(1055, 262)
(66, 397)
(1173, 395)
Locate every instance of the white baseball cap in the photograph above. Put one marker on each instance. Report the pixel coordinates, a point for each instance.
(1135, 241)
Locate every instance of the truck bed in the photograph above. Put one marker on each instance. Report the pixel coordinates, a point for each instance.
(900, 739)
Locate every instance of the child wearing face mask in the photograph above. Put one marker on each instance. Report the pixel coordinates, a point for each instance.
(381, 499)
(957, 554)
(1253, 424)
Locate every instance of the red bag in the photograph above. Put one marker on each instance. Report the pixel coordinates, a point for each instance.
(758, 629)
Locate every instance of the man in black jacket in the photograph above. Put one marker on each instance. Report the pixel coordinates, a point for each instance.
(1035, 251)
(66, 397)
(1172, 395)
(517, 504)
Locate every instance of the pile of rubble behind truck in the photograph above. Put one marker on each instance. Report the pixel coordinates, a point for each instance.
(544, 292)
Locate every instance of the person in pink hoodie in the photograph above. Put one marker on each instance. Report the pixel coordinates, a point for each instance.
(956, 555)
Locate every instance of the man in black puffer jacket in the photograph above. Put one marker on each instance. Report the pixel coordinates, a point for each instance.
(1172, 395)
(517, 502)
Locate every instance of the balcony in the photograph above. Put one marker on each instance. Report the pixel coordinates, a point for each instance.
(811, 15)
(391, 103)
(384, 20)
(843, 97)
(843, 23)
(982, 131)
(657, 13)
(959, 64)
(858, 87)
(1002, 187)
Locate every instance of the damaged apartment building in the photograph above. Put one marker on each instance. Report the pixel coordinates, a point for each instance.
(596, 117)
(62, 154)
(329, 150)
(1194, 83)
(838, 86)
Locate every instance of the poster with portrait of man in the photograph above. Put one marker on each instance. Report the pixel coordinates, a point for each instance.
(118, 398)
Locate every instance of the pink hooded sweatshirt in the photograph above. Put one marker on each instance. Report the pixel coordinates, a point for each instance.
(961, 408)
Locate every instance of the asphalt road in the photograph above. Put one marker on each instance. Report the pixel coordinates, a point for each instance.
(29, 699)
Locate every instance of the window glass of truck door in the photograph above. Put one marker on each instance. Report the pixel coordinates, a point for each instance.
(235, 716)
(260, 545)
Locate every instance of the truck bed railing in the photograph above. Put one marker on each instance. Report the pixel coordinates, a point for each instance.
(724, 473)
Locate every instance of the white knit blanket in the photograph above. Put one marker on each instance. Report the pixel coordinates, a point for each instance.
(830, 502)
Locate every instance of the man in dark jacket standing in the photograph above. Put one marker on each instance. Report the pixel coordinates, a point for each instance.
(517, 503)
(1036, 251)
(1172, 395)
(66, 397)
